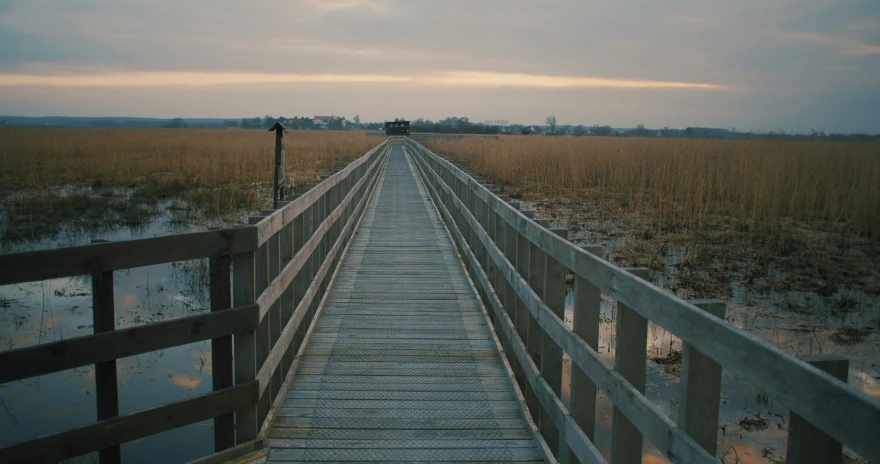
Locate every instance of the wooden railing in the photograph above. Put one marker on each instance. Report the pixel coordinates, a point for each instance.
(266, 281)
(519, 268)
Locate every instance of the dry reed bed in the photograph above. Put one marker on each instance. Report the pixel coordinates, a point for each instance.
(52, 175)
(753, 206)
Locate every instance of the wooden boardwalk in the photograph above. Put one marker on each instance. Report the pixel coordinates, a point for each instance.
(401, 365)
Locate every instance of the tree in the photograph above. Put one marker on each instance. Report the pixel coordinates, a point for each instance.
(357, 120)
(579, 131)
(551, 121)
(603, 131)
(178, 123)
(563, 130)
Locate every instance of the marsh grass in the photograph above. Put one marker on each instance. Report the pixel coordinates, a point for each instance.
(86, 178)
(779, 215)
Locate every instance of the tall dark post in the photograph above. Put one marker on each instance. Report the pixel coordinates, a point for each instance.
(279, 161)
(106, 386)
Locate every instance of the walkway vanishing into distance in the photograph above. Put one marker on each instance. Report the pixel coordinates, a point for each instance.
(402, 365)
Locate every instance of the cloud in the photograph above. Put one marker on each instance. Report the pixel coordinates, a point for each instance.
(496, 79)
(376, 6)
(451, 78)
(844, 46)
(663, 62)
(165, 79)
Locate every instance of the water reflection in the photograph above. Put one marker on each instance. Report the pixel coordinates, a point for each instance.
(59, 309)
(752, 426)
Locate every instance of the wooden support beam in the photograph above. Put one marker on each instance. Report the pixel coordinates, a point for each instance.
(585, 324)
(106, 386)
(806, 443)
(220, 268)
(629, 360)
(245, 344)
(551, 353)
(700, 395)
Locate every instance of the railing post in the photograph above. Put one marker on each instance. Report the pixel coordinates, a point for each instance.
(245, 344)
(221, 348)
(585, 324)
(106, 386)
(521, 321)
(629, 360)
(806, 443)
(263, 333)
(287, 304)
(551, 353)
(273, 318)
(534, 333)
(700, 397)
(510, 298)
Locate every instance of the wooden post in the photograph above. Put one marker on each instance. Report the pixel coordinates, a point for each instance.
(534, 333)
(221, 348)
(629, 360)
(700, 395)
(299, 281)
(106, 387)
(806, 443)
(551, 353)
(245, 360)
(263, 336)
(585, 324)
(510, 298)
(279, 161)
(287, 304)
(523, 257)
(273, 318)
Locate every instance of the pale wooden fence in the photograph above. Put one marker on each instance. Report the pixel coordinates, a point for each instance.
(520, 267)
(266, 280)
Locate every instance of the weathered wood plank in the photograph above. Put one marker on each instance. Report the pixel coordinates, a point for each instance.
(106, 385)
(220, 268)
(273, 223)
(806, 443)
(407, 434)
(700, 396)
(22, 363)
(129, 427)
(31, 266)
(245, 343)
(452, 454)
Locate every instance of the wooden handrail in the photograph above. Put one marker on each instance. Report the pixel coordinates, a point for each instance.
(286, 336)
(129, 427)
(30, 266)
(31, 361)
(653, 423)
(284, 215)
(788, 379)
(285, 277)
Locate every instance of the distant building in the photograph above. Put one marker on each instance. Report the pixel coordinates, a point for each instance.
(323, 120)
(397, 127)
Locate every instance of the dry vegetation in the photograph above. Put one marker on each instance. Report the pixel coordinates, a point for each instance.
(775, 215)
(92, 177)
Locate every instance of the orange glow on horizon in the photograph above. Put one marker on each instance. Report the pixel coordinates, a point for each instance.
(451, 79)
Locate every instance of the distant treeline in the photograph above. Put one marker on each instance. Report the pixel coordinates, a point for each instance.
(450, 125)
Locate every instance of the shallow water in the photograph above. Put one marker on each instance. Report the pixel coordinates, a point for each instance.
(40, 312)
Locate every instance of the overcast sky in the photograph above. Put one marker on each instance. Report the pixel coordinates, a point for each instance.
(750, 64)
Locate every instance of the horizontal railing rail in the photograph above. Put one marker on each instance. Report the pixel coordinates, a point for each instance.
(520, 267)
(266, 282)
